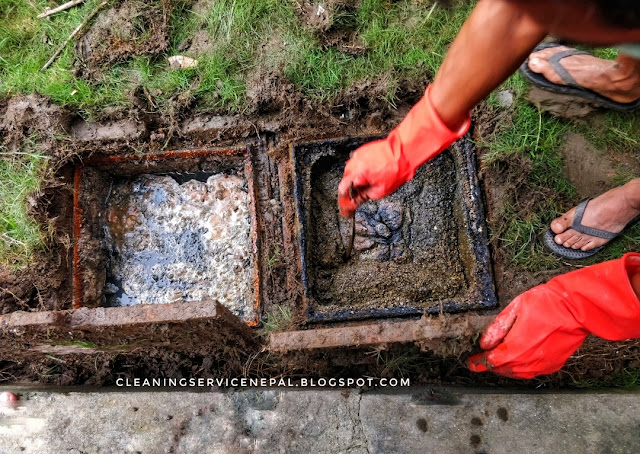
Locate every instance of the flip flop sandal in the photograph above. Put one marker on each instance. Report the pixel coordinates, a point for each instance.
(577, 254)
(572, 87)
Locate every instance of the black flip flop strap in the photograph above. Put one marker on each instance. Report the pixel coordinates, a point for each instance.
(554, 61)
(578, 227)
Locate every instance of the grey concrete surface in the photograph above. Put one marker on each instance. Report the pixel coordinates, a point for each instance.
(417, 420)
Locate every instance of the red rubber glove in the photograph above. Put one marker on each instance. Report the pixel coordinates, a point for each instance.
(379, 168)
(541, 328)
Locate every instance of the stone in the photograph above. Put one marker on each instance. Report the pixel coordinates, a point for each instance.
(382, 230)
(504, 98)
(396, 252)
(182, 62)
(391, 213)
(362, 243)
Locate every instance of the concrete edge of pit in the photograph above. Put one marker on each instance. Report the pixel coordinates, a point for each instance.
(140, 325)
(380, 333)
(482, 294)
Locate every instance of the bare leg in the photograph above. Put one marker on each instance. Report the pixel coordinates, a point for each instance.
(497, 38)
(610, 211)
(617, 80)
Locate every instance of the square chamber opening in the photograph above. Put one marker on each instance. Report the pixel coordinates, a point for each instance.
(178, 226)
(420, 250)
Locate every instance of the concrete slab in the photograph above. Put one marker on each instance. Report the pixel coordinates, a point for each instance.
(86, 330)
(420, 420)
(381, 333)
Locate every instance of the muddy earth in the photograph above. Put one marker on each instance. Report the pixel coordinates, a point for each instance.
(402, 243)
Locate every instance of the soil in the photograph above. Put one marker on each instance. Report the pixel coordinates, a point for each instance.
(279, 116)
(127, 29)
(402, 243)
(561, 105)
(587, 168)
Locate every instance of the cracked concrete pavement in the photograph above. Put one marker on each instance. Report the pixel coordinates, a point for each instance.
(414, 420)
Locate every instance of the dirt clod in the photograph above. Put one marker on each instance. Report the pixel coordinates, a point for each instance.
(125, 30)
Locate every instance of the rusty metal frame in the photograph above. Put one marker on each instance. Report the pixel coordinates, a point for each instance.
(474, 218)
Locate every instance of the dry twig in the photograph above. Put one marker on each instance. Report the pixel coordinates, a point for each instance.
(73, 34)
(48, 12)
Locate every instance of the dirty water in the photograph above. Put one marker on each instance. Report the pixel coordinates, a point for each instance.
(174, 238)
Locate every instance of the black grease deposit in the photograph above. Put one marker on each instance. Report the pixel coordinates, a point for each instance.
(419, 249)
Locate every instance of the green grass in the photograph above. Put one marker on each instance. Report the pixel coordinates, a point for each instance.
(404, 40)
(275, 258)
(535, 137)
(279, 319)
(399, 363)
(628, 378)
(619, 132)
(20, 236)
(26, 43)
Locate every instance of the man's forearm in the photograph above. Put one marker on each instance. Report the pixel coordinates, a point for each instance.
(496, 38)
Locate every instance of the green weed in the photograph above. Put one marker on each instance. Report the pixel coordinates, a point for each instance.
(279, 319)
(275, 257)
(628, 378)
(20, 236)
(399, 363)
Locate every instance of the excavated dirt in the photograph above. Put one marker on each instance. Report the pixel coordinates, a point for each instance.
(280, 116)
(561, 105)
(587, 168)
(33, 121)
(125, 30)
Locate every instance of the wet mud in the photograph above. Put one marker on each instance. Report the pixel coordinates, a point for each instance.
(402, 243)
(411, 253)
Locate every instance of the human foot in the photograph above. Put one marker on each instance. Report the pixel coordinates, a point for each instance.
(610, 211)
(617, 80)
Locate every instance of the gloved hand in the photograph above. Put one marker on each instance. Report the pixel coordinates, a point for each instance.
(541, 328)
(379, 168)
